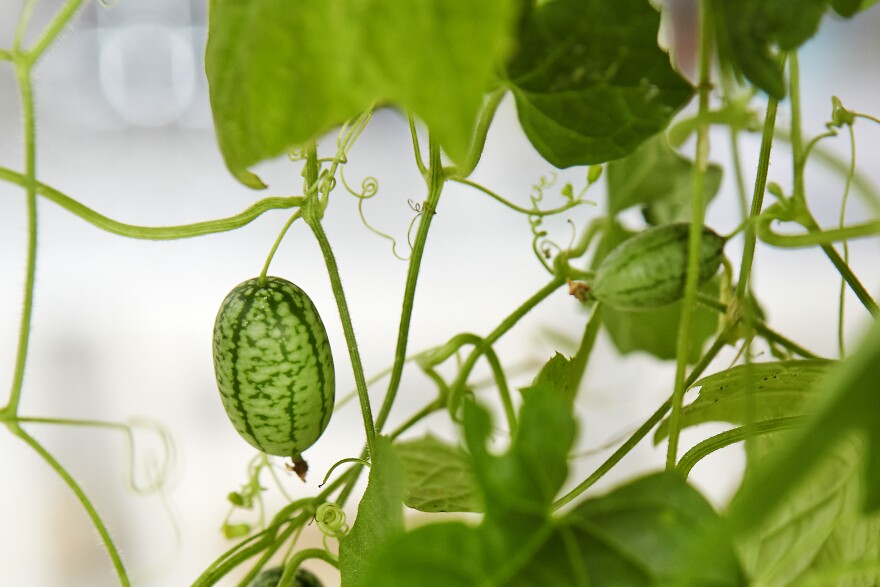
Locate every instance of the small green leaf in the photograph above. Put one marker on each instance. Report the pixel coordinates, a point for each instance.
(589, 80)
(439, 476)
(660, 180)
(554, 377)
(236, 530)
(517, 487)
(379, 517)
(522, 483)
(654, 331)
(282, 73)
(639, 534)
(778, 389)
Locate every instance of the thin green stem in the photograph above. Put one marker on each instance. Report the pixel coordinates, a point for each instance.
(800, 200)
(842, 294)
(798, 153)
(867, 117)
(513, 206)
(24, 18)
(97, 522)
(494, 364)
(277, 243)
(436, 179)
(815, 236)
(457, 388)
(482, 131)
(23, 76)
(698, 210)
(426, 411)
(54, 28)
(861, 182)
(312, 215)
(417, 149)
(288, 577)
(646, 427)
(6, 55)
(579, 362)
(738, 175)
(719, 441)
(759, 326)
(266, 541)
(757, 200)
(154, 232)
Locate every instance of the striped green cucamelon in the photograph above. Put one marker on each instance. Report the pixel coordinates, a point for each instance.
(273, 366)
(272, 577)
(648, 270)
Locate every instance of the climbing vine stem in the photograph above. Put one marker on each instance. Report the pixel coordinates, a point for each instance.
(435, 178)
(701, 165)
(312, 215)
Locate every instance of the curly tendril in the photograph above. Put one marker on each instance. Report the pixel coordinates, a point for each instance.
(369, 188)
(331, 520)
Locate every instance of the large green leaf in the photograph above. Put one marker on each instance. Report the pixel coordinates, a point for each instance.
(769, 390)
(379, 516)
(282, 72)
(589, 80)
(654, 331)
(748, 29)
(848, 402)
(660, 180)
(818, 527)
(449, 554)
(639, 534)
(439, 476)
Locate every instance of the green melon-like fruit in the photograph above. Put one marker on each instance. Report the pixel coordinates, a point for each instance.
(274, 367)
(649, 269)
(271, 577)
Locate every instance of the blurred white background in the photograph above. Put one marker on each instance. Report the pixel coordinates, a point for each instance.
(122, 328)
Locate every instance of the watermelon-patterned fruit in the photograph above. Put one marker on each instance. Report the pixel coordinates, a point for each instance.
(649, 270)
(273, 366)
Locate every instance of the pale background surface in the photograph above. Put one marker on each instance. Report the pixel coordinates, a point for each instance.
(122, 327)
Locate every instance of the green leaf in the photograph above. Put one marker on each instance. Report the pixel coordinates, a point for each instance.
(449, 554)
(656, 177)
(819, 525)
(281, 73)
(639, 534)
(778, 390)
(439, 476)
(589, 80)
(379, 517)
(521, 484)
(554, 377)
(847, 403)
(747, 29)
(654, 331)
(849, 8)
(517, 488)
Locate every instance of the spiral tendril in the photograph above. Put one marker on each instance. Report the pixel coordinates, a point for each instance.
(331, 520)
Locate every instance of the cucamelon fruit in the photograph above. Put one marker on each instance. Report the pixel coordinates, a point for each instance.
(273, 366)
(648, 270)
(272, 577)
